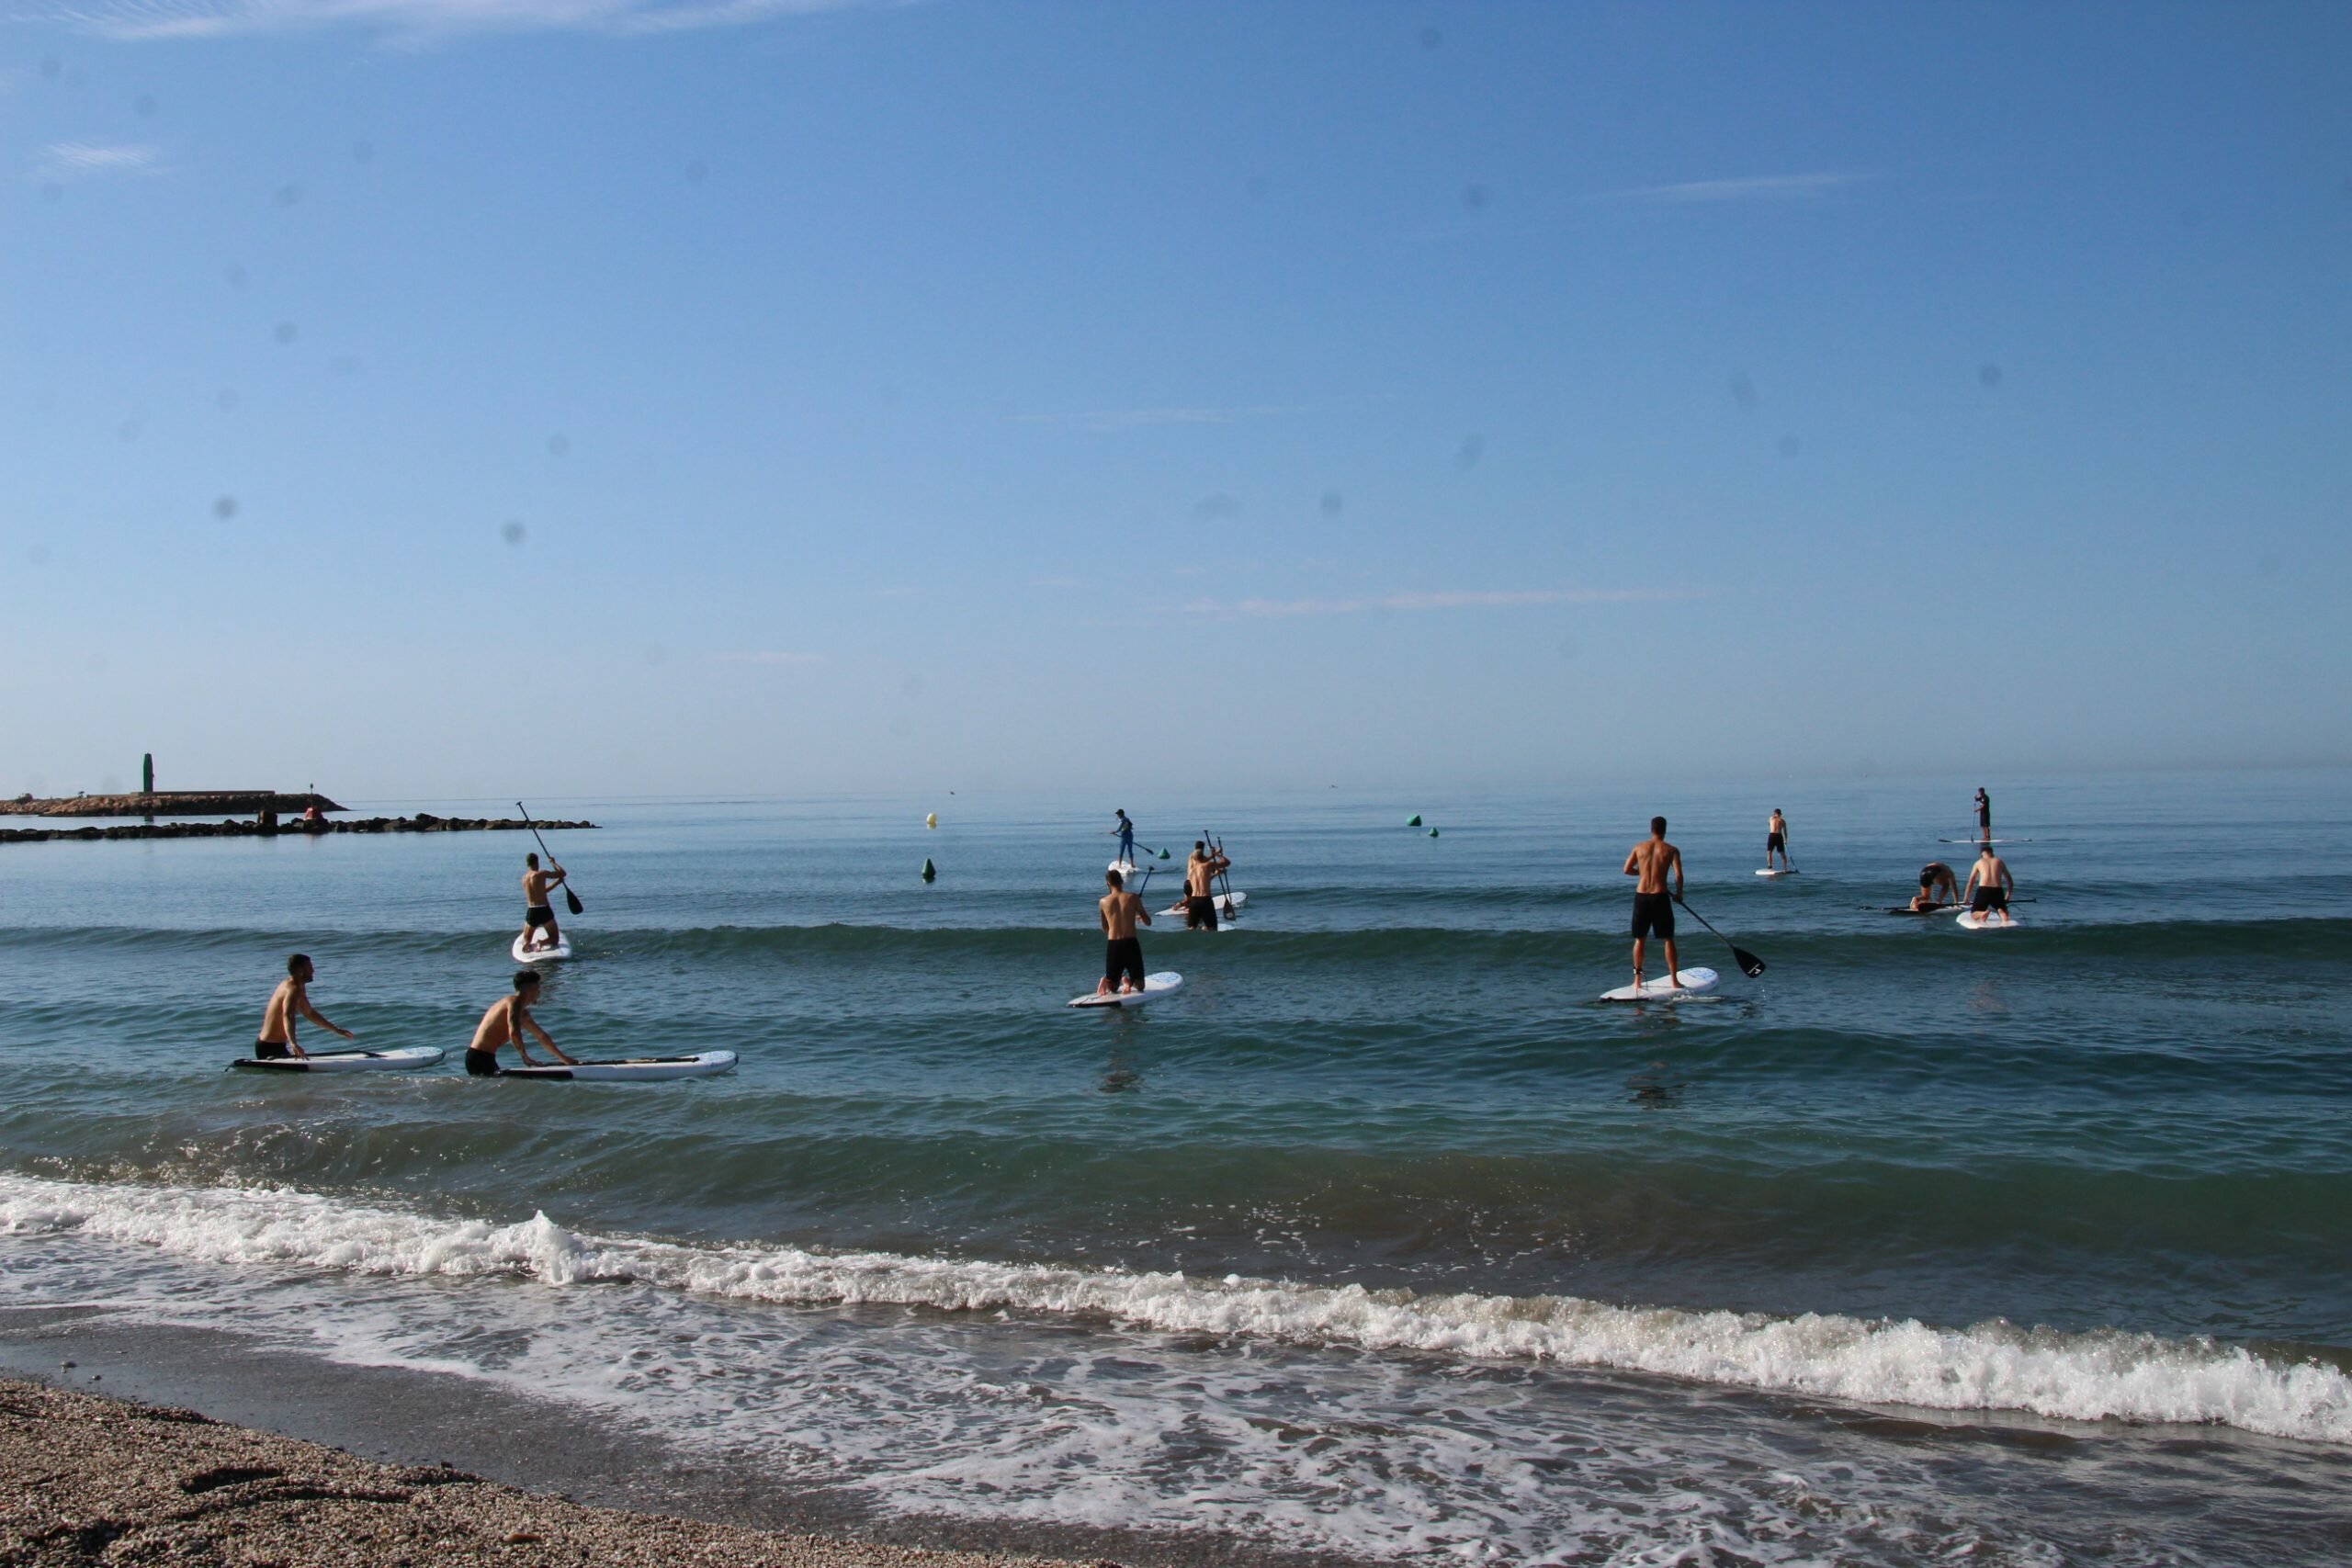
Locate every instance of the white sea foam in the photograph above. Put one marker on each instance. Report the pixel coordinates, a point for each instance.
(1988, 1367)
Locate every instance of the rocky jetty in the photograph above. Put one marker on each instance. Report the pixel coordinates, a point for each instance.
(423, 822)
(167, 803)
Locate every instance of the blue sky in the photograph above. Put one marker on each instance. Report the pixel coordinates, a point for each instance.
(571, 395)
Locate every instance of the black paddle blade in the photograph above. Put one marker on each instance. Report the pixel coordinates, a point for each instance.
(1749, 964)
(572, 899)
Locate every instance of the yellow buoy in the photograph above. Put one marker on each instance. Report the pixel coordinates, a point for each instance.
(930, 820)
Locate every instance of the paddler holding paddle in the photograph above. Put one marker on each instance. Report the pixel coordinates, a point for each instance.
(292, 997)
(1650, 861)
(538, 908)
(1201, 869)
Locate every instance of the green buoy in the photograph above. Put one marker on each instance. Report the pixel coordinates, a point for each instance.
(930, 871)
(1433, 832)
(1414, 820)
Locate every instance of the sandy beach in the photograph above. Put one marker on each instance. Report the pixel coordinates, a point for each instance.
(89, 1479)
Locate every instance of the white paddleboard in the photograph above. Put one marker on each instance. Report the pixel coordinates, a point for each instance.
(1695, 982)
(1154, 987)
(540, 954)
(1980, 920)
(408, 1058)
(636, 1069)
(1984, 840)
(1226, 904)
(1791, 871)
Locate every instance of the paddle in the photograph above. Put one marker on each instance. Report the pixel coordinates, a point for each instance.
(1224, 882)
(571, 899)
(1749, 964)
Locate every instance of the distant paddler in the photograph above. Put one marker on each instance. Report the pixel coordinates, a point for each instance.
(1937, 889)
(504, 1024)
(1201, 869)
(1989, 886)
(539, 910)
(1776, 840)
(1126, 830)
(1652, 861)
(290, 1000)
(1983, 815)
(1119, 913)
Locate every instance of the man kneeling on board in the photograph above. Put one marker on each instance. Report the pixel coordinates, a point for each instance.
(1937, 888)
(1119, 912)
(1990, 884)
(503, 1025)
(539, 906)
(292, 996)
(1653, 910)
(1199, 874)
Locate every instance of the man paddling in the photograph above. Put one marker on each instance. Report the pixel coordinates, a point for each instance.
(1126, 832)
(1201, 870)
(503, 1024)
(1651, 861)
(1989, 886)
(1937, 888)
(1776, 840)
(1983, 815)
(291, 999)
(538, 906)
(1120, 913)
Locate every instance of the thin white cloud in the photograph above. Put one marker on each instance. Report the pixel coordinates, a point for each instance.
(417, 20)
(62, 160)
(1764, 187)
(1448, 599)
(1139, 419)
(766, 656)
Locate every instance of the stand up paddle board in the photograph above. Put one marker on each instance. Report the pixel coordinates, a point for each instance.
(1227, 903)
(1791, 871)
(636, 1069)
(1154, 987)
(1908, 910)
(1978, 921)
(540, 954)
(408, 1058)
(1984, 840)
(1695, 982)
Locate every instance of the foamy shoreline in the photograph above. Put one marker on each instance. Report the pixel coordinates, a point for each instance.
(90, 1477)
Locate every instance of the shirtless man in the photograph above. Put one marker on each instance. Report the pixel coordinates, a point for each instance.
(1119, 912)
(1776, 840)
(503, 1025)
(292, 997)
(1200, 893)
(1651, 861)
(1937, 888)
(538, 908)
(1990, 884)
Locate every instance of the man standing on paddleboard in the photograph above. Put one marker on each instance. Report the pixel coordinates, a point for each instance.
(292, 997)
(1776, 840)
(1984, 815)
(537, 907)
(1200, 876)
(1651, 860)
(1990, 884)
(1126, 832)
(503, 1025)
(1119, 912)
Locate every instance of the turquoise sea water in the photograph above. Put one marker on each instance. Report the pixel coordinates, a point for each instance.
(1383, 1237)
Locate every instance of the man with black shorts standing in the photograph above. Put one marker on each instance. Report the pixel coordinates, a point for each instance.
(1120, 913)
(1652, 861)
(1776, 841)
(1983, 815)
(1200, 886)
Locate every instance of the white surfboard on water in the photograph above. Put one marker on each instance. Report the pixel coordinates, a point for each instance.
(1984, 840)
(1789, 872)
(1695, 982)
(1981, 920)
(540, 954)
(1227, 903)
(407, 1058)
(1154, 987)
(634, 1069)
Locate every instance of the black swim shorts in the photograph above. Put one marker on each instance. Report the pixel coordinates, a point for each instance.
(1653, 915)
(1200, 913)
(1124, 956)
(481, 1063)
(270, 1050)
(537, 914)
(1773, 841)
(1988, 898)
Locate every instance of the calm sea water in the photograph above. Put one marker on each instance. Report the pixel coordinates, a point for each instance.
(1384, 1238)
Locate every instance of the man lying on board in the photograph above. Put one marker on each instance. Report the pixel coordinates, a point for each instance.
(503, 1025)
(292, 997)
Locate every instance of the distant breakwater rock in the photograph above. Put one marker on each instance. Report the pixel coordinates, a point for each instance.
(423, 822)
(169, 803)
